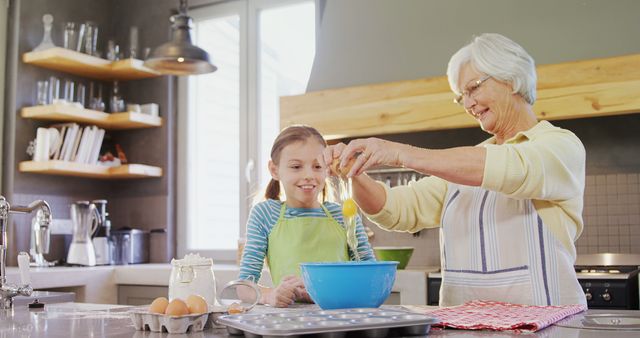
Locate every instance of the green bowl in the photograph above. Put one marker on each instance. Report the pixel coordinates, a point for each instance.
(400, 254)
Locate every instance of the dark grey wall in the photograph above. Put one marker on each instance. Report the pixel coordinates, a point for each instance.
(373, 41)
(144, 203)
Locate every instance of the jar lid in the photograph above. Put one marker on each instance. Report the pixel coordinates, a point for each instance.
(192, 260)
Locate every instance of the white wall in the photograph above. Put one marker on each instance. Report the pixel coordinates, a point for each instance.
(373, 41)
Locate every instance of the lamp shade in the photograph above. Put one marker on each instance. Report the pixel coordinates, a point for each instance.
(179, 56)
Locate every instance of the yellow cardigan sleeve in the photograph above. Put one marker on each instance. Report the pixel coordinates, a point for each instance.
(413, 207)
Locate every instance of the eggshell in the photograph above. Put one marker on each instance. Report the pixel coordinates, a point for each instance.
(235, 308)
(335, 167)
(196, 304)
(159, 305)
(177, 307)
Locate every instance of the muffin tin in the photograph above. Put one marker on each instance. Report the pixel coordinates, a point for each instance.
(361, 322)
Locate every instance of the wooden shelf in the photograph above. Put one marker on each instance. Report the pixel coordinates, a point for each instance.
(89, 170)
(74, 113)
(72, 62)
(579, 89)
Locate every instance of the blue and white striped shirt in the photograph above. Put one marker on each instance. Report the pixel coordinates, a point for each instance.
(264, 216)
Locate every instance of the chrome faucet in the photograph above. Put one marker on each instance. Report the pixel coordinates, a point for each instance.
(8, 291)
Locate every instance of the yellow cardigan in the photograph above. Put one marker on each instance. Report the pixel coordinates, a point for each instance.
(545, 164)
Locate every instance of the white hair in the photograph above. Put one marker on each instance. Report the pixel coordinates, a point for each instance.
(499, 57)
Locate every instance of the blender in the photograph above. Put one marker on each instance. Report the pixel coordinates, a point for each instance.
(101, 242)
(85, 218)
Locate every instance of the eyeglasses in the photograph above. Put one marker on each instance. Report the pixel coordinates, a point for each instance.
(470, 90)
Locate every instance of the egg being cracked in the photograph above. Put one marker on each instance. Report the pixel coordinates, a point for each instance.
(196, 304)
(159, 305)
(177, 307)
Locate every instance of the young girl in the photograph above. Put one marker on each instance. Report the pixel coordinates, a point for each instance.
(300, 228)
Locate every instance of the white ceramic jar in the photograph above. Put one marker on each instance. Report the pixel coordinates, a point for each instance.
(192, 275)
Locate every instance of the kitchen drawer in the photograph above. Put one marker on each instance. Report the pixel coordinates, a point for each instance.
(140, 294)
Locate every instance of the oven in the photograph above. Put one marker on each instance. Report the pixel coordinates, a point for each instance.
(609, 281)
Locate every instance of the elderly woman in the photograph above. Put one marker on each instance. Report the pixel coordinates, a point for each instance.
(509, 209)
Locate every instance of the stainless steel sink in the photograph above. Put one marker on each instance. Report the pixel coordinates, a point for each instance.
(604, 321)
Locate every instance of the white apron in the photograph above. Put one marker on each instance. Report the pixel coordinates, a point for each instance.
(497, 248)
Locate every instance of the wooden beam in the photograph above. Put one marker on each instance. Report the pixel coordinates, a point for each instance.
(578, 89)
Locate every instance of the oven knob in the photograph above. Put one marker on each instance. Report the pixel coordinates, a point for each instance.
(606, 296)
(588, 295)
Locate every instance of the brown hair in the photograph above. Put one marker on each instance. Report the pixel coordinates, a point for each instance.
(289, 135)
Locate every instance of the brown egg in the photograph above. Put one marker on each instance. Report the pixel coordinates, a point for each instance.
(342, 171)
(159, 305)
(177, 308)
(196, 304)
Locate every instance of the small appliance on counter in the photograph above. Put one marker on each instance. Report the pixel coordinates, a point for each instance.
(101, 239)
(85, 218)
(130, 246)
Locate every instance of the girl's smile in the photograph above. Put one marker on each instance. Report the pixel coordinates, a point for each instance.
(300, 174)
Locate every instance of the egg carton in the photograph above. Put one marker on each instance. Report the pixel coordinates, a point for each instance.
(360, 322)
(146, 321)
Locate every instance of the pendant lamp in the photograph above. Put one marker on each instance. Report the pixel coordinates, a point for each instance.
(179, 56)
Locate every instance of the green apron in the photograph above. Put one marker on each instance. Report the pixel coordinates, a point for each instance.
(304, 239)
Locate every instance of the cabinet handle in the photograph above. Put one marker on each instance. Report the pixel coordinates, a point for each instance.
(248, 170)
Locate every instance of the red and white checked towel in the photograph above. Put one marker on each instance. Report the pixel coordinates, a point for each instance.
(500, 316)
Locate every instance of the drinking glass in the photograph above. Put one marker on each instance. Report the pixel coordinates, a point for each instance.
(90, 38)
(113, 51)
(81, 33)
(95, 99)
(54, 90)
(42, 93)
(117, 102)
(81, 94)
(133, 42)
(69, 87)
(70, 35)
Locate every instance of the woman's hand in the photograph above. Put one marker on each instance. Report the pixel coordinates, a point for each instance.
(290, 289)
(330, 158)
(362, 154)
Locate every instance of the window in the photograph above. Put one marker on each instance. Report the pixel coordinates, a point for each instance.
(228, 119)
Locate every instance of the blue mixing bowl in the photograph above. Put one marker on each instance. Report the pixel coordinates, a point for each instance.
(343, 285)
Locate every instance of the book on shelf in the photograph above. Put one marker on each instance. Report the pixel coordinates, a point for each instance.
(78, 155)
(69, 140)
(95, 152)
(58, 146)
(77, 144)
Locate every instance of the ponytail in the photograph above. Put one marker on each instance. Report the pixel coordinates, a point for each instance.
(273, 190)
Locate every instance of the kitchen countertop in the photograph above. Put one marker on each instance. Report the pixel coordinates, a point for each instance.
(99, 284)
(97, 320)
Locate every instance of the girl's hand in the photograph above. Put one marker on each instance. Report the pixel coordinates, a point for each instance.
(300, 291)
(285, 294)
